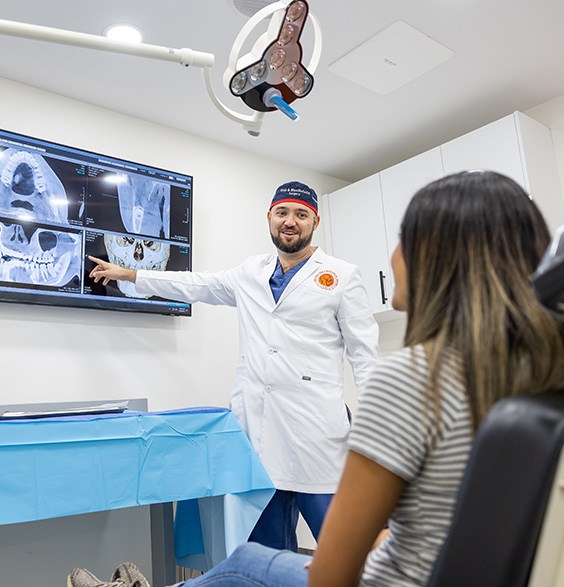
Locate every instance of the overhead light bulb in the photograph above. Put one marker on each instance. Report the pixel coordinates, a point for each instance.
(257, 70)
(124, 32)
(289, 71)
(295, 11)
(286, 34)
(238, 83)
(277, 58)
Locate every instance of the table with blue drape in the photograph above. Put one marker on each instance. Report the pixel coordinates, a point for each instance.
(197, 457)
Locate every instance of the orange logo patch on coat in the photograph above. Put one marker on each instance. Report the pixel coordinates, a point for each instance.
(327, 280)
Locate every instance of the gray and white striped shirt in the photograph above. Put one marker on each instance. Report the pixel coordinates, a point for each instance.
(395, 427)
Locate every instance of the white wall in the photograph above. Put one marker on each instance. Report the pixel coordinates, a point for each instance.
(66, 354)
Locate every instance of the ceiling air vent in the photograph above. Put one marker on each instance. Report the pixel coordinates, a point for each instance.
(391, 58)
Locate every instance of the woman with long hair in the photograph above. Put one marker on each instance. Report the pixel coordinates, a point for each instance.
(475, 334)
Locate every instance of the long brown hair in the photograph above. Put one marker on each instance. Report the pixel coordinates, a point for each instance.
(470, 242)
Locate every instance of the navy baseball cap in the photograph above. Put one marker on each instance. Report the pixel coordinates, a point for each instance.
(294, 191)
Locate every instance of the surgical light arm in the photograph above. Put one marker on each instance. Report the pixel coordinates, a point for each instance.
(63, 37)
(187, 57)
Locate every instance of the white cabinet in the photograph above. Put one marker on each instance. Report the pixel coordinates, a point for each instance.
(519, 147)
(364, 218)
(355, 231)
(399, 183)
(491, 147)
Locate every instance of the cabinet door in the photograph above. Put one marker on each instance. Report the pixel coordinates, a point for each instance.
(518, 147)
(494, 147)
(358, 235)
(399, 183)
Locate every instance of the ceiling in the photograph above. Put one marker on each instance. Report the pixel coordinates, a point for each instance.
(508, 55)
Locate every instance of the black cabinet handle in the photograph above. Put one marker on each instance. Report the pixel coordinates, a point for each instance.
(383, 288)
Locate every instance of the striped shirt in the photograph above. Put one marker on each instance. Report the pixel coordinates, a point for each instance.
(395, 427)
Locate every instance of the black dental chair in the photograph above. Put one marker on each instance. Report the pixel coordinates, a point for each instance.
(504, 496)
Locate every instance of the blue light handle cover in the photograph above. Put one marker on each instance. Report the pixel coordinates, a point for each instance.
(273, 98)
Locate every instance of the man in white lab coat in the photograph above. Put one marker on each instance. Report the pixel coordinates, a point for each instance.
(299, 311)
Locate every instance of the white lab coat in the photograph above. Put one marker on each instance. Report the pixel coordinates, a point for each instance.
(288, 391)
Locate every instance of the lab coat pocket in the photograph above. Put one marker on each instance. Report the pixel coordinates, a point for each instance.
(327, 406)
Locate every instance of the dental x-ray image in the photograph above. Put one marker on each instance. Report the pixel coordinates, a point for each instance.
(30, 254)
(135, 253)
(30, 189)
(144, 205)
(141, 205)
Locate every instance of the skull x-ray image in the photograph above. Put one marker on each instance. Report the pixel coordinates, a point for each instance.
(39, 256)
(144, 206)
(135, 253)
(30, 189)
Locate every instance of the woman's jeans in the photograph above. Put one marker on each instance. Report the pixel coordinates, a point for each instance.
(255, 565)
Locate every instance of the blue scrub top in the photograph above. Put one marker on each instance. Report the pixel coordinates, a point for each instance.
(280, 280)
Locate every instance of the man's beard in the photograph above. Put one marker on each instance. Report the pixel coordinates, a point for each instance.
(298, 245)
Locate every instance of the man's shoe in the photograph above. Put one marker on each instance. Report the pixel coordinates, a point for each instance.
(84, 578)
(130, 575)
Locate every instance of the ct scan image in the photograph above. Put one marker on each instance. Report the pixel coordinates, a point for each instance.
(123, 202)
(144, 205)
(135, 253)
(30, 189)
(30, 254)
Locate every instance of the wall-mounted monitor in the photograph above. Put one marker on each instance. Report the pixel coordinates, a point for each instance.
(59, 204)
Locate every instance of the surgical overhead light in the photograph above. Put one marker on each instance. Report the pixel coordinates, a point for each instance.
(269, 78)
(275, 76)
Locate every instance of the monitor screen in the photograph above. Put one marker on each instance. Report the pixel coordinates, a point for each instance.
(59, 204)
